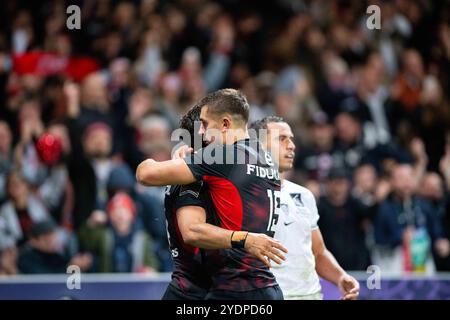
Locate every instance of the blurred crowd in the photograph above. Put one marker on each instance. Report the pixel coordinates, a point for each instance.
(79, 109)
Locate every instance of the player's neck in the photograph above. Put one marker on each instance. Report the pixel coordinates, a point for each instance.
(282, 176)
(232, 136)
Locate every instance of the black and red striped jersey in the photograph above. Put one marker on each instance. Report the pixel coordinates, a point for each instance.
(190, 273)
(244, 188)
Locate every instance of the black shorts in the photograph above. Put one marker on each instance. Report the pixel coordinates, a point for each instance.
(174, 293)
(268, 293)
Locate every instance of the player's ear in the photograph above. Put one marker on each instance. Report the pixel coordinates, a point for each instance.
(226, 123)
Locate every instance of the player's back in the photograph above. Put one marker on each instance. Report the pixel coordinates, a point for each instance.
(244, 189)
(190, 273)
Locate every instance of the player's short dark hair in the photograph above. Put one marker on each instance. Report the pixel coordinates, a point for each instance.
(262, 123)
(187, 122)
(227, 101)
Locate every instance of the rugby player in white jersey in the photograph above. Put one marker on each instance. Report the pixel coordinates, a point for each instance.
(297, 229)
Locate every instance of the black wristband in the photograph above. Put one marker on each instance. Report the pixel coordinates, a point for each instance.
(238, 241)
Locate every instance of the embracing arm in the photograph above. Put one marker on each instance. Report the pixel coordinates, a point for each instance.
(154, 173)
(196, 232)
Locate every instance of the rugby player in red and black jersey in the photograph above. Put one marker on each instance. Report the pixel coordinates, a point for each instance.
(244, 188)
(190, 213)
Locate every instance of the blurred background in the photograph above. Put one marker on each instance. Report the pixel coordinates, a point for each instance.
(79, 109)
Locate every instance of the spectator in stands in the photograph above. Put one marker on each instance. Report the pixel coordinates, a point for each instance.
(89, 163)
(8, 260)
(94, 101)
(140, 64)
(56, 191)
(336, 87)
(406, 227)
(432, 189)
(154, 131)
(42, 253)
(121, 246)
(432, 120)
(149, 215)
(371, 97)
(315, 158)
(25, 154)
(407, 88)
(445, 171)
(5, 157)
(341, 221)
(18, 214)
(365, 189)
(349, 149)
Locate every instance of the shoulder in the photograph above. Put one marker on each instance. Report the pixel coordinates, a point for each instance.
(291, 187)
(215, 149)
(301, 195)
(193, 189)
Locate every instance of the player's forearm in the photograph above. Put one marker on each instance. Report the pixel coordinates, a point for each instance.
(154, 173)
(145, 174)
(207, 236)
(328, 268)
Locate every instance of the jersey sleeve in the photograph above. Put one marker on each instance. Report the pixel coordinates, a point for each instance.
(312, 206)
(210, 161)
(189, 195)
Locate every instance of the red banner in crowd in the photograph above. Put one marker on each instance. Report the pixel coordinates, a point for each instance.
(45, 64)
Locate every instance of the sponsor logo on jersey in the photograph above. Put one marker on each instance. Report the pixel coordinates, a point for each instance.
(297, 198)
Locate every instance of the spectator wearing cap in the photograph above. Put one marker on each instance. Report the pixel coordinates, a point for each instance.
(150, 212)
(18, 214)
(121, 246)
(42, 254)
(341, 222)
(406, 227)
